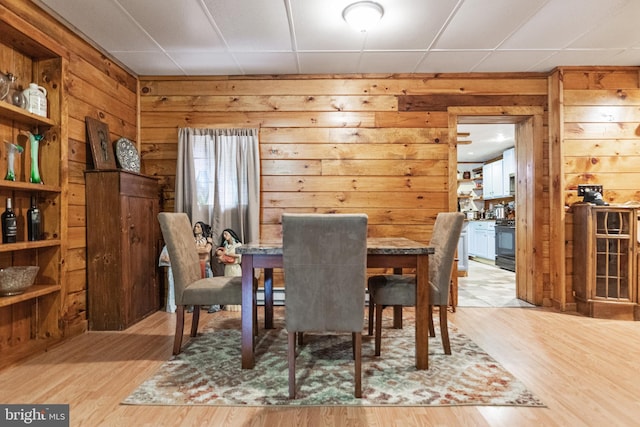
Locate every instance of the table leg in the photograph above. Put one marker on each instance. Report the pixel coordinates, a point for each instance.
(397, 309)
(268, 298)
(248, 301)
(422, 312)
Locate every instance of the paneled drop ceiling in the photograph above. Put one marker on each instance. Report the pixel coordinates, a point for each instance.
(239, 37)
(248, 37)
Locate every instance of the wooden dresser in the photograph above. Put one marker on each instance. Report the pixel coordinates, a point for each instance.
(123, 236)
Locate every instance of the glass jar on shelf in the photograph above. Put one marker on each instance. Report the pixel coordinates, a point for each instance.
(15, 94)
(5, 83)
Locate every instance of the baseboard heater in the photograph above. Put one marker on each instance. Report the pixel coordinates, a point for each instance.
(278, 296)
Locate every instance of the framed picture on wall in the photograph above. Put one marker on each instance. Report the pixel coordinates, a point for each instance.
(101, 147)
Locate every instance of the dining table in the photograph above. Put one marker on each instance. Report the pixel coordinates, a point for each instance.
(382, 252)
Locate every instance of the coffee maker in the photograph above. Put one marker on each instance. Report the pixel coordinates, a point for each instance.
(592, 193)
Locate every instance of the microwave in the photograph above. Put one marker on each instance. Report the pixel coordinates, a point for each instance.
(512, 184)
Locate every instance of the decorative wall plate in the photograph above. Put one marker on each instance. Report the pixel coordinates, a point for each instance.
(127, 155)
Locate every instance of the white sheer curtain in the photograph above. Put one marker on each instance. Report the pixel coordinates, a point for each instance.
(218, 180)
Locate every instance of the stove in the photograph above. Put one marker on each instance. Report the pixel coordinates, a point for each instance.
(506, 244)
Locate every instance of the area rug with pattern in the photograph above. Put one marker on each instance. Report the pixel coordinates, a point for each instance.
(208, 371)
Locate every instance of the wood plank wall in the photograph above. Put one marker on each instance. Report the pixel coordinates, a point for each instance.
(373, 144)
(93, 86)
(600, 138)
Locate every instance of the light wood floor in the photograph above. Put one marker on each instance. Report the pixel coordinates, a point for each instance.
(587, 371)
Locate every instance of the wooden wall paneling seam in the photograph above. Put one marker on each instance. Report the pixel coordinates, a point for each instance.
(353, 182)
(240, 103)
(599, 78)
(441, 84)
(396, 135)
(601, 97)
(439, 102)
(354, 151)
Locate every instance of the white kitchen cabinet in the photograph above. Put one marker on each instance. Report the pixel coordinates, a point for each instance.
(482, 239)
(508, 169)
(473, 236)
(490, 240)
(487, 181)
(509, 161)
(493, 180)
(463, 248)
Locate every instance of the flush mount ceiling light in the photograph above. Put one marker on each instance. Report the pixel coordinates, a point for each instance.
(363, 15)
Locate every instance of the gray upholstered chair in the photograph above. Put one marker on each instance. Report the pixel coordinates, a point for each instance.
(325, 261)
(400, 290)
(190, 287)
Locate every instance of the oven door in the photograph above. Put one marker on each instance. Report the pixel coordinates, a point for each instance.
(506, 247)
(505, 241)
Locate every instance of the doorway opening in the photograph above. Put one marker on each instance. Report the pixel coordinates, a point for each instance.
(527, 151)
(486, 194)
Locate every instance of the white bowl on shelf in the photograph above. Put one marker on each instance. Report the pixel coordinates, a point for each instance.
(15, 280)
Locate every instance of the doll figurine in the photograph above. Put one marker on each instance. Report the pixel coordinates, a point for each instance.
(204, 244)
(227, 255)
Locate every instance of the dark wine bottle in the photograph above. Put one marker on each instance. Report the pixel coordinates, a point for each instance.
(33, 221)
(9, 224)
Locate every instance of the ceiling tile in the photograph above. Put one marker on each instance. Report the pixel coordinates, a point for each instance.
(480, 24)
(149, 63)
(267, 63)
(318, 62)
(409, 24)
(450, 61)
(105, 23)
(204, 63)
(514, 60)
(175, 24)
(580, 57)
(618, 30)
(389, 62)
(252, 25)
(559, 22)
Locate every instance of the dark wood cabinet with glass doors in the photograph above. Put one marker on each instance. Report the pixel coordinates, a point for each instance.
(605, 256)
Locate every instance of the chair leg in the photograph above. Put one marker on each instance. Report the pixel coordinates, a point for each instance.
(194, 320)
(353, 345)
(378, 338)
(371, 305)
(300, 338)
(291, 355)
(177, 339)
(444, 330)
(453, 288)
(397, 317)
(357, 341)
(432, 330)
